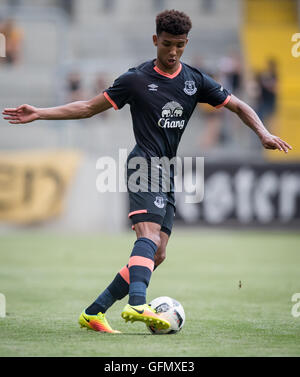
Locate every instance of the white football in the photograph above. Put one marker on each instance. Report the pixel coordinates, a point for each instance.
(172, 311)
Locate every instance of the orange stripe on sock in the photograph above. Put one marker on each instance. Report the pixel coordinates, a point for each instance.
(141, 261)
(124, 272)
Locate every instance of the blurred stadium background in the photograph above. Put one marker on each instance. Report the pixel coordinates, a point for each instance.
(241, 282)
(60, 51)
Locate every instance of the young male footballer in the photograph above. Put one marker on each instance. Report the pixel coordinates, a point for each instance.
(162, 94)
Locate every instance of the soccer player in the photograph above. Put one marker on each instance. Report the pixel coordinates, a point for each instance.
(162, 94)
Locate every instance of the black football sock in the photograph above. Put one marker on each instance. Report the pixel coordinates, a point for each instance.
(117, 290)
(141, 264)
(101, 304)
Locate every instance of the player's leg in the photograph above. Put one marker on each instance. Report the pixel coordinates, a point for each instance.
(142, 229)
(144, 251)
(141, 265)
(141, 261)
(119, 287)
(161, 254)
(165, 233)
(94, 316)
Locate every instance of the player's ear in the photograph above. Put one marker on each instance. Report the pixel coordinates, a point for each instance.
(154, 39)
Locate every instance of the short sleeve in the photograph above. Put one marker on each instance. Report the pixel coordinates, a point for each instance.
(212, 92)
(119, 94)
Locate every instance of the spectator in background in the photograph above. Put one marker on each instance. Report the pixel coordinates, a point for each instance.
(67, 6)
(267, 92)
(231, 71)
(213, 134)
(108, 5)
(13, 3)
(74, 87)
(13, 40)
(214, 121)
(101, 84)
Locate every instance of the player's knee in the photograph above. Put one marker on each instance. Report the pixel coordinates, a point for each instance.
(153, 236)
(151, 231)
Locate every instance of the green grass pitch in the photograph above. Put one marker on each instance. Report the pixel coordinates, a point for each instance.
(49, 279)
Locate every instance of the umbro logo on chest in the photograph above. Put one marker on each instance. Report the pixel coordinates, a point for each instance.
(189, 87)
(152, 87)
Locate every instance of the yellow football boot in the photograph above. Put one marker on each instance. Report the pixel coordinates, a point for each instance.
(145, 314)
(96, 322)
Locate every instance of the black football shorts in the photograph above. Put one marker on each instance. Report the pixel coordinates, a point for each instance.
(150, 203)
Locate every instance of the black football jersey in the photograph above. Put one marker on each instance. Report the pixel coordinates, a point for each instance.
(161, 104)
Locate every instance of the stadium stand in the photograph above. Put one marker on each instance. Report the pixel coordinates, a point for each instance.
(97, 40)
(94, 41)
(268, 28)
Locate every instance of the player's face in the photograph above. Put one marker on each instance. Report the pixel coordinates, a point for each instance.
(169, 50)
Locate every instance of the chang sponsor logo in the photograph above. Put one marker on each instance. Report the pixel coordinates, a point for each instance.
(171, 111)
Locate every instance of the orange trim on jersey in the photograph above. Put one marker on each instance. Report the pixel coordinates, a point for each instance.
(224, 103)
(110, 100)
(137, 212)
(141, 261)
(124, 272)
(170, 76)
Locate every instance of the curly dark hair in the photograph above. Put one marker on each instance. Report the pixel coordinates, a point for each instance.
(173, 22)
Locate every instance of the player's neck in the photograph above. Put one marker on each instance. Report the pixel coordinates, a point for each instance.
(165, 69)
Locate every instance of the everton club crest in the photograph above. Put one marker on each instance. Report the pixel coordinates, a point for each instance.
(159, 202)
(190, 88)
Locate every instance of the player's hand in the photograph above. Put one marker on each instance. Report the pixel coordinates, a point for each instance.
(20, 115)
(270, 141)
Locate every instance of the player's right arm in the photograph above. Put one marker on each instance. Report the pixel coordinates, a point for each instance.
(74, 110)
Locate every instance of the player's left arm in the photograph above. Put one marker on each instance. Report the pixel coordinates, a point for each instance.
(251, 119)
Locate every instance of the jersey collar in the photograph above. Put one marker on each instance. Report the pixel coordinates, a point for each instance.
(170, 76)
